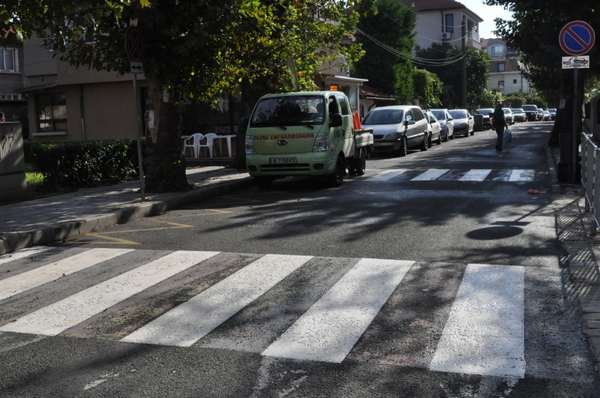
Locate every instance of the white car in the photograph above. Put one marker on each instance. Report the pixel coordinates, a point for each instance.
(446, 123)
(435, 129)
(397, 128)
(463, 122)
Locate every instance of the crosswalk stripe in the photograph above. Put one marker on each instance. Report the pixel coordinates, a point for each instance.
(37, 277)
(431, 175)
(189, 322)
(32, 251)
(484, 333)
(60, 316)
(521, 175)
(476, 175)
(332, 326)
(387, 175)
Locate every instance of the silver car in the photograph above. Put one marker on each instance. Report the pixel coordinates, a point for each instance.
(435, 129)
(508, 116)
(446, 123)
(397, 128)
(463, 122)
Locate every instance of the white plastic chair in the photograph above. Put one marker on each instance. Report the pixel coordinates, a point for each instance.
(209, 143)
(193, 141)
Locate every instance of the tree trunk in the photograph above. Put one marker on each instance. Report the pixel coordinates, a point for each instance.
(165, 161)
(564, 115)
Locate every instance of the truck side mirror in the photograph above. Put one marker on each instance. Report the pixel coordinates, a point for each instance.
(335, 120)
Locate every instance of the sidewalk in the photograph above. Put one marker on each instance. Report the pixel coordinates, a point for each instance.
(59, 217)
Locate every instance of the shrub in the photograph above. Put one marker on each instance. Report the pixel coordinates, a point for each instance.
(83, 163)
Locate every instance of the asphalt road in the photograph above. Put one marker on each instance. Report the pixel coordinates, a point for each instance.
(433, 275)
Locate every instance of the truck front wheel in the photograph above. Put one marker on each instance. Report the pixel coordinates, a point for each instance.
(336, 178)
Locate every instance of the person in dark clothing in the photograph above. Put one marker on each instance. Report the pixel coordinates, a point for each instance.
(499, 123)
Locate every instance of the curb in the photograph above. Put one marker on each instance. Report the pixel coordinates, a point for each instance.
(12, 242)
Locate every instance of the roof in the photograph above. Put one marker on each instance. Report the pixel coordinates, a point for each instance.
(368, 92)
(437, 5)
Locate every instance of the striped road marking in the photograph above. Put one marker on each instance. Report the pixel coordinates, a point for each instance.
(387, 175)
(189, 322)
(485, 331)
(431, 175)
(476, 175)
(23, 253)
(521, 175)
(37, 277)
(330, 328)
(60, 316)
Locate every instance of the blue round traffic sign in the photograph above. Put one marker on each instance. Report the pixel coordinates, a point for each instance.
(134, 44)
(577, 38)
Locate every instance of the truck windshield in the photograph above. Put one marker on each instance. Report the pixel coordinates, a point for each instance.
(289, 111)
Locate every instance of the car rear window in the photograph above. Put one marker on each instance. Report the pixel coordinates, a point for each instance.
(384, 116)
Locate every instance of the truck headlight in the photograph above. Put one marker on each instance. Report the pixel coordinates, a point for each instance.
(321, 143)
(249, 146)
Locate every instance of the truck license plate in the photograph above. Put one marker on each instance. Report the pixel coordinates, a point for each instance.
(282, 160)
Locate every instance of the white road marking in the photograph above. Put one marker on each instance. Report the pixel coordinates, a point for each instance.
(48, 273)
(387, 175)
(6, 258)
(430, 175)
(58, 317)
(485, 331)
(333, 325)
(190, 321)
(476, 175)
(521, 175)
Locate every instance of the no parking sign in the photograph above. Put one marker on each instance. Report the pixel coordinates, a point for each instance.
(577, 38)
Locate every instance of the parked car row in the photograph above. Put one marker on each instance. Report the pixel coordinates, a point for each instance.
(517, 115)
(397, 128)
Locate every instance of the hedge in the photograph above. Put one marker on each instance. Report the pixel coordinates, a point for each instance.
(83, 163)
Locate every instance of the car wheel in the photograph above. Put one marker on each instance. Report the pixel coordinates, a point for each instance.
(336, 178)
(360, 163)
(425, 143)
(403, 151)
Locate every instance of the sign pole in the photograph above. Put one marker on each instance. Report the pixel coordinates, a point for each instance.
(139, 138)
(573, 176)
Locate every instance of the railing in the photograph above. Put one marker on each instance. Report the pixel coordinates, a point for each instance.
(590, 179)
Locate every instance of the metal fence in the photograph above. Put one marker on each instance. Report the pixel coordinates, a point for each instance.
(590, 179)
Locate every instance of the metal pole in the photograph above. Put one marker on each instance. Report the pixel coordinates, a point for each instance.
(573, 176)
(139, 137)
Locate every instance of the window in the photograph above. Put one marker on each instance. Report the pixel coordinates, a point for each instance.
(52, 112)
(501, 67)
(449, 23)
(497, 50)
(501, 84)
(514, 81)
(8, 60)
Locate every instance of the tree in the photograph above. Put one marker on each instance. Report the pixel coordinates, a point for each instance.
(197, 49)
(428, 88)
(444, 60)
(534, 31)
(387, 38)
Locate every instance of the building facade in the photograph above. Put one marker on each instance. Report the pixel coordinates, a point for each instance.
(505, 70)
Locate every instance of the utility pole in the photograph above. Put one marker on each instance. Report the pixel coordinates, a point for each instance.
(464, 64)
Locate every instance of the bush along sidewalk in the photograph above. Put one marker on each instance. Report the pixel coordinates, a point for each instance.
(77, 164)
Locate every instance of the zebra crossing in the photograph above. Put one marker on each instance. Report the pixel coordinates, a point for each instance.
(328, 304)
(466, 175)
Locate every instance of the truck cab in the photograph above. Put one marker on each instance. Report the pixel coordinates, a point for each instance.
(305, 134)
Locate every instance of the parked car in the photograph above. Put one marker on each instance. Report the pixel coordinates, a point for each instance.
(540, 114)
(435, 129)
(508, 115)
(487, 118)
(519, 114)
(463, 122)
(552, 113)
(547, 117)
(531, 112)
(446, 123)
(396, 128)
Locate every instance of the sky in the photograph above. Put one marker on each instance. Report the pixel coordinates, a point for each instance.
(488, 14)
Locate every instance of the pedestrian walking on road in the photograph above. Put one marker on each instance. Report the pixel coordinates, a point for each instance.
(499, 123)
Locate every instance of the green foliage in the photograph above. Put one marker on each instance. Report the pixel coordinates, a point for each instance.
(80, 164)
(449, 68)
(388, 69)
(428, 88)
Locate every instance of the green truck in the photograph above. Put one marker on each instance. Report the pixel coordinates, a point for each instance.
(306, 134)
